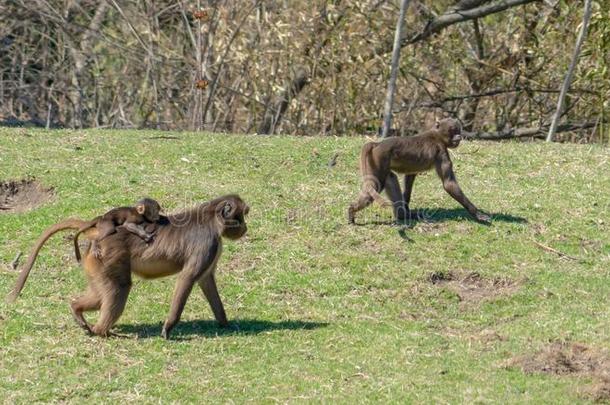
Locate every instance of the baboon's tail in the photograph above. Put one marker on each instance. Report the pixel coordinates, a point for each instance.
(25, 271)
(370, 182)
(91, 224)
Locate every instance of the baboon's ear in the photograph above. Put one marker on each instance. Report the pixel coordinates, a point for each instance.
(226, 210)
(140, 209)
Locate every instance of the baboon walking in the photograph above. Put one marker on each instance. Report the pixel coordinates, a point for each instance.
(380, 161)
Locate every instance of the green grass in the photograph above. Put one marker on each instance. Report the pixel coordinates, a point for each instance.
(320, 310)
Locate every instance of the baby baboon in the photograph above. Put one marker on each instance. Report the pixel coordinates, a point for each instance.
(145, 212)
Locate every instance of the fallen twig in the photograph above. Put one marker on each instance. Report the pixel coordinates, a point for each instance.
(15, 261)
(557, 252)
(471, 152)
(333, 161)
(171, 137)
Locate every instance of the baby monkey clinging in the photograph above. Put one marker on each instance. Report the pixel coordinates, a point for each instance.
(139, 220)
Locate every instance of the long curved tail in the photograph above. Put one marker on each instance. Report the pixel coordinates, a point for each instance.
(25, 271)
(371, 183)
(89, 225)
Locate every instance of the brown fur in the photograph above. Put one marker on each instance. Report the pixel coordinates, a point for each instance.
(145, 212)
(367, 166)
(188, 243)
(410, 155)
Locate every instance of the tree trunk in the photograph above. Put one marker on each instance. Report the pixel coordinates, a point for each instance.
(274, 113)
(301, 75)
(389, 100)
(568, 79)
(80, 54)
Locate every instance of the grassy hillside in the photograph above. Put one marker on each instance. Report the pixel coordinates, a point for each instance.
(442, 310)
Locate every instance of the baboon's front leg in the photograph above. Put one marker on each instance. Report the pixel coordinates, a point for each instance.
(208, 286)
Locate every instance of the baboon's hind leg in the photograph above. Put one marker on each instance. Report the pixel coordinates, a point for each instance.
(113, 300)
(89, 301)
(364, 200)
(409, 179)
(392, 187)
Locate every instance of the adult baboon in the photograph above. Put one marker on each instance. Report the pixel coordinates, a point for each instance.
(410, 155)
(188, 243)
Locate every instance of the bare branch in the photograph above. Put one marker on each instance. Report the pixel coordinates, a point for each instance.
(454, 17)
(223, 59)
(528, 132)
(489, 93)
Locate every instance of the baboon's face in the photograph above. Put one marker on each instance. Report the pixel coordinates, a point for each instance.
(233, 214)
(453, 130)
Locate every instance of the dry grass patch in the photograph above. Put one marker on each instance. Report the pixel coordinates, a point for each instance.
(472, 287)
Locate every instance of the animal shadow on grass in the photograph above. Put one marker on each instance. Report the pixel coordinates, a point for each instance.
(187, 330)
(435, 215)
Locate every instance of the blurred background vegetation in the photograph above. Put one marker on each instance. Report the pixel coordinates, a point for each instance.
(302, 67)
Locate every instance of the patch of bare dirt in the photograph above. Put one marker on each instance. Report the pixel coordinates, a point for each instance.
(22, 195)
(572, 359)
(600, 391)
(565, 358)
(471, 287)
